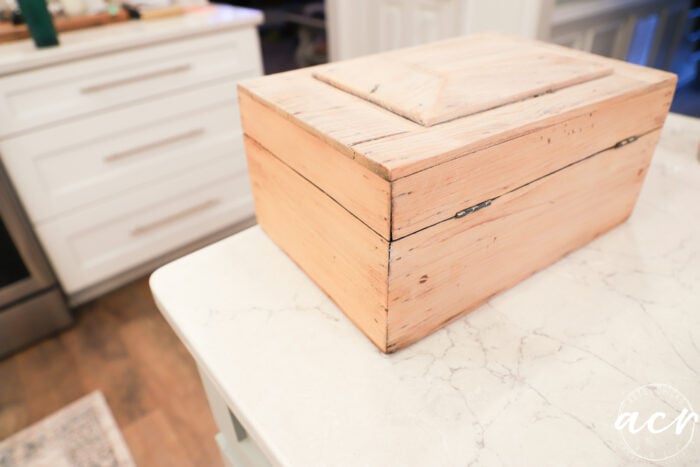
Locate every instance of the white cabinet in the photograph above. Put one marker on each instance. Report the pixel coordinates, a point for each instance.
(92, 244)
(76, 88)
(367, 26)
(123, 155)
(111, 153)
(402, 24)
(358, 27)
(607, 27)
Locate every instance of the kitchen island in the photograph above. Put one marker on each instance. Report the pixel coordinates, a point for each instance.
(536, 376)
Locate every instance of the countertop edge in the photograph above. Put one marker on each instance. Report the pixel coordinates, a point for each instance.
(68, 53)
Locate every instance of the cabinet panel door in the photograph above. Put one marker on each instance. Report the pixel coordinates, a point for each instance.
(391, 23)
(432, 20)
(105, 239)
(90, 160)
(360, 27)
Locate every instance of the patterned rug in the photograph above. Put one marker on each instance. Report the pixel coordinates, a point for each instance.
(81, 434)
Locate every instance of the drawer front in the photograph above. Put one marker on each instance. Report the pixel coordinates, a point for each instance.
(35, 98)
(106, 239)
(60, 169)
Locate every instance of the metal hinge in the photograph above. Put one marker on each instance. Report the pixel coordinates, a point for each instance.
(470, 210)
(625, 142)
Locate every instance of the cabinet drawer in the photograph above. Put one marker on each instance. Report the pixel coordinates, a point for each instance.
(59, 169)
(105, 239)
(35, 98)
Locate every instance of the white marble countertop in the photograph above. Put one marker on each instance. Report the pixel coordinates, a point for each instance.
(22, 55)
(534, 377)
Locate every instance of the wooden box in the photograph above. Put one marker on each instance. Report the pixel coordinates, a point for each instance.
(413, 185)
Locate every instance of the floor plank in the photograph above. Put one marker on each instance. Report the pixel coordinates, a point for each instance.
(153, 442)
(122, 346)
(13, 411)
(103, 362)
(49, 378)
(174, 382)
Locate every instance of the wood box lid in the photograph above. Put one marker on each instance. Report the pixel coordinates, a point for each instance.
(449, 125)
(438, 82)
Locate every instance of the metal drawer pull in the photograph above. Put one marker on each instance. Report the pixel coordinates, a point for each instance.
(156, 144)
(135, 79)
(146, 228)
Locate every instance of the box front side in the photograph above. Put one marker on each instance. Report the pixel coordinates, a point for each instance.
(435, 194)
(441, 272)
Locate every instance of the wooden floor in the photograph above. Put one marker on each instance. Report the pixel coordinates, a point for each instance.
(122, 346)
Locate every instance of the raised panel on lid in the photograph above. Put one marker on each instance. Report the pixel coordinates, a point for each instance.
(452, 79)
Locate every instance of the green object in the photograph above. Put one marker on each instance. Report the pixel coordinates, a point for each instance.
(38, 19)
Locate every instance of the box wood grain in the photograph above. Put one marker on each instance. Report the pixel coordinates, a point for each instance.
(413, 185)
(428, 84)
(439, 273)
(347, 259)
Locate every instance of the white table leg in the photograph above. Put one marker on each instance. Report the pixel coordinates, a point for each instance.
(236, 447)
